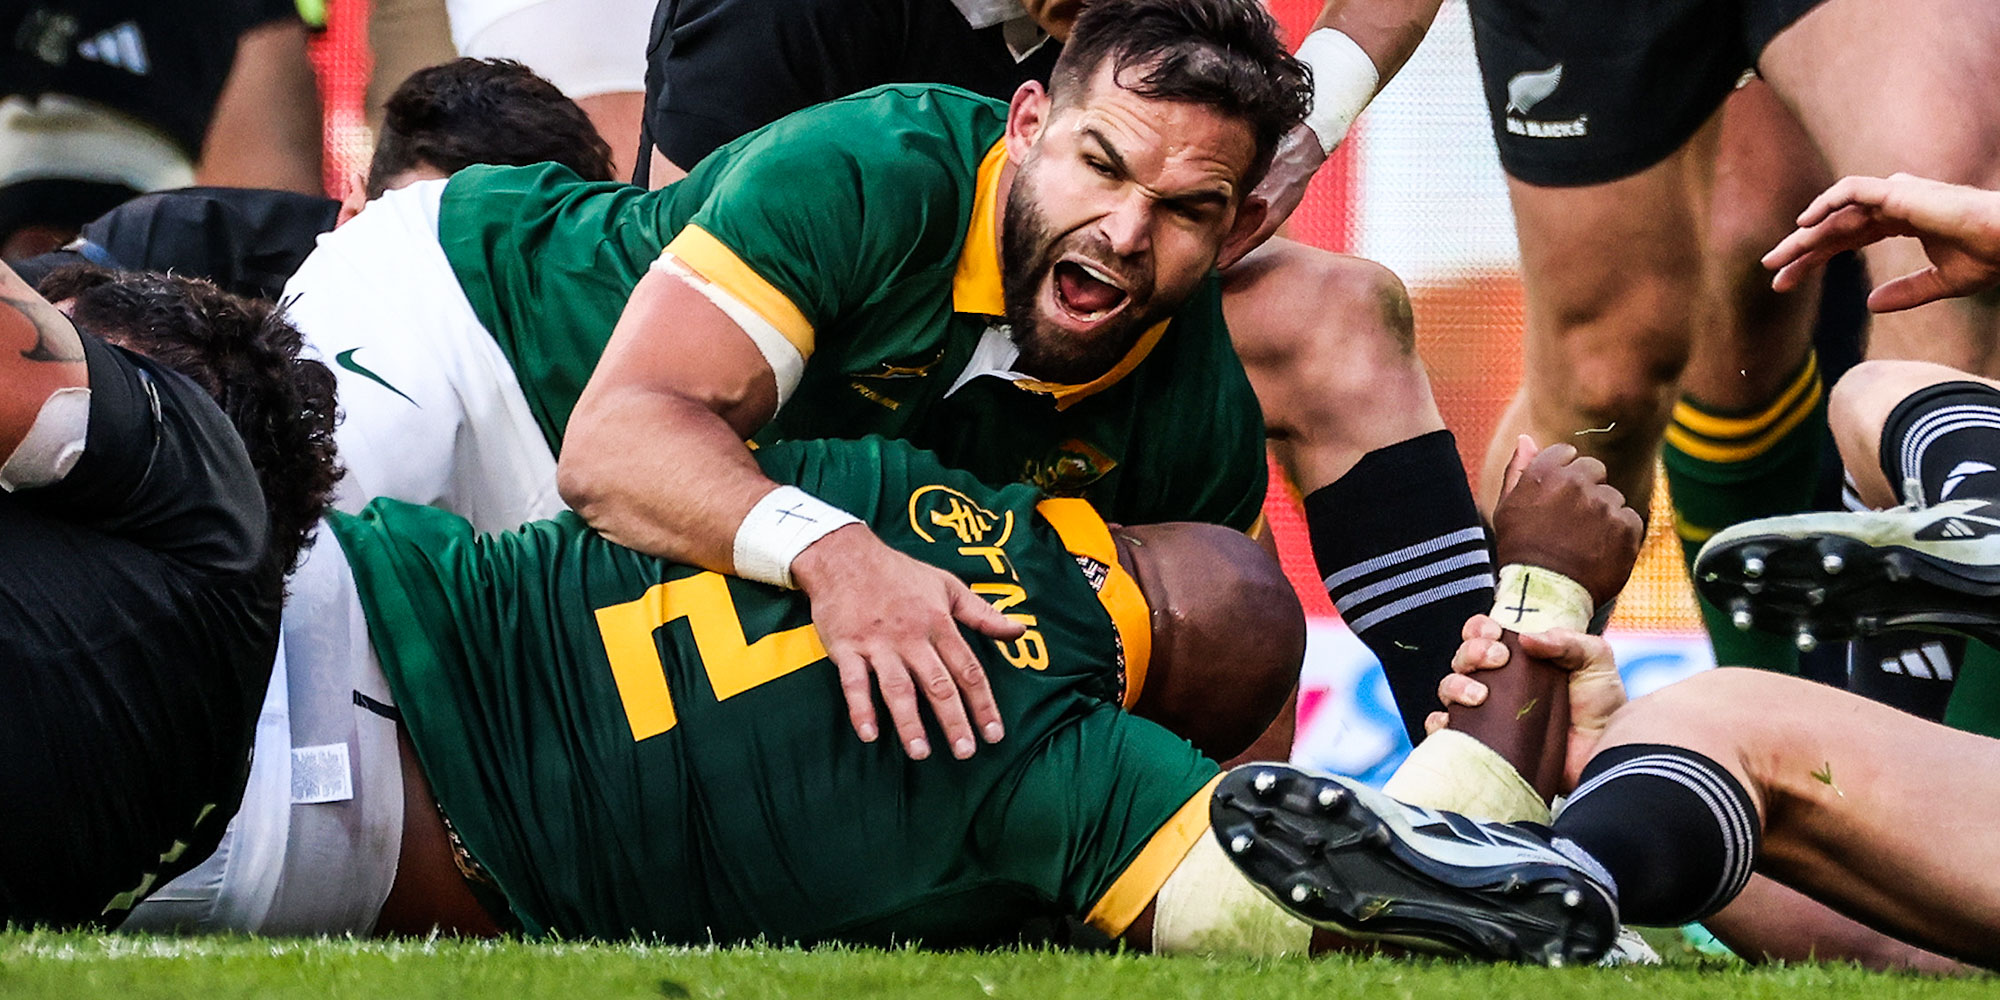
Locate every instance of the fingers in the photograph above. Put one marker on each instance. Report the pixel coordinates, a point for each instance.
(858, 691)
(1567, 649)
(970, 680)
(1480, 627)
(1436, 721)
(1525, 450)
(1844, 192)
(1460, 691)
(1479, 654)
(1910, 290)
(976, 614)
(941, 690)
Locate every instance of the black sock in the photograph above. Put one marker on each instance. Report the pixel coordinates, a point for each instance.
(1675, 831)
(1946, 437)
(1405, 559)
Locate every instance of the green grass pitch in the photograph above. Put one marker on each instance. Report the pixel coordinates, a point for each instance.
(39, 964)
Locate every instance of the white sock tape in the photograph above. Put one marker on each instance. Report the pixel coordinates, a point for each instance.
(1450, 770)
(780, 527)
(1533, 599)
(1344, 80)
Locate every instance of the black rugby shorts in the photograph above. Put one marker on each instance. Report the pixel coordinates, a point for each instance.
(1589, 91)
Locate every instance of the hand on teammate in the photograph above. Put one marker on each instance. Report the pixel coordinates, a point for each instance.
(1958, 226)
(883, 614)
(1293, 164)
(1557, 512)
(1595, 689)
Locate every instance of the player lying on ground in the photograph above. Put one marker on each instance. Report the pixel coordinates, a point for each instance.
(1682, 794)
(623, 745)
(141, 566)
(1678, 796)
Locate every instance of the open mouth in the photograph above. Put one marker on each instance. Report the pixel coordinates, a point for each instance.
(1087, 292)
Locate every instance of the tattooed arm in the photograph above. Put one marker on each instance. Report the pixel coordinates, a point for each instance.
(39, 354)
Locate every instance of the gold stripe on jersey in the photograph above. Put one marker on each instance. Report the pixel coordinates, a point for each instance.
(709, 257)
(1085, 534)
(1141, 880)
(977, 286)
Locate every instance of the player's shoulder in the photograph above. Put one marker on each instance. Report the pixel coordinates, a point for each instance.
(893, 128)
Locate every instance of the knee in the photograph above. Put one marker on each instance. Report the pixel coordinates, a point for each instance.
(1723, 704)
(1292, 303)
(1618, 366)
(1320, 333)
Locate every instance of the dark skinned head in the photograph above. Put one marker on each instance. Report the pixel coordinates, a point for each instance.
(1228, 632)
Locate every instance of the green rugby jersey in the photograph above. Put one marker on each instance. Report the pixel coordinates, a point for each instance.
(864, 231)
(633, 746)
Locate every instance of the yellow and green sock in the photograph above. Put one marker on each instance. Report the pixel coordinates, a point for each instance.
(1724, 467)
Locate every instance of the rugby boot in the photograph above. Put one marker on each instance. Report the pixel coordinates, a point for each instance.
(1842, 574)
(1347, 858)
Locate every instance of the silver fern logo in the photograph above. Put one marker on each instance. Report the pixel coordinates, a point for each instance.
(1528, 89)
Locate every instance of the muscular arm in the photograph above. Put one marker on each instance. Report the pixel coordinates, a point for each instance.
(1388, 30)
(266, 130)
(654, 460)
(654, 456)
(39, 354)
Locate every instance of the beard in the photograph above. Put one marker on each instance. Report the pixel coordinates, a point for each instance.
(1029, 252)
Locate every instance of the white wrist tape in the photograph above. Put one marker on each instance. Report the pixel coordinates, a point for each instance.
(1533, 599)
(1344, 80)
(780, 527)
(53, 443)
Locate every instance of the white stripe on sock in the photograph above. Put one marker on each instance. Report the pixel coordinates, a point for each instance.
(1476, 557)
(1404, 554)
(1418, 599)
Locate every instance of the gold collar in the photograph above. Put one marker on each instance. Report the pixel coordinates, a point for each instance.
(976, 285)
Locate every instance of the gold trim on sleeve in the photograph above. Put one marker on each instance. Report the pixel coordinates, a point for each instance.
(1141, 880)
(1085, 534)
(710, 258)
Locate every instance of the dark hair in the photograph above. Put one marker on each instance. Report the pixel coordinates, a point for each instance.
(244, 353)
(453, 115)
(1222, 53)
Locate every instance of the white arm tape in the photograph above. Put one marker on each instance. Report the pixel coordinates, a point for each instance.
(1344, 80)
(1533, 599)
(53, 444)
(780, 527)
(788, 366)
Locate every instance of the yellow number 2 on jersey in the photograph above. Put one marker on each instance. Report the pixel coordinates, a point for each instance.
(734, 665)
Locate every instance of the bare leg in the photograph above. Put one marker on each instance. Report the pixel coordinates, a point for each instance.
(1330, 348)
(1612, 274)
(616, 116)
(1881, 815)
(1773, 922)
(1749, 338)
(1329, 345)
(1882, 86)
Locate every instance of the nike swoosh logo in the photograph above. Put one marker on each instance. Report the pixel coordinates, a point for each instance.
(345, 359)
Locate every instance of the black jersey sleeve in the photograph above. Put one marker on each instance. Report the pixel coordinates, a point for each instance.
(161, 466)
